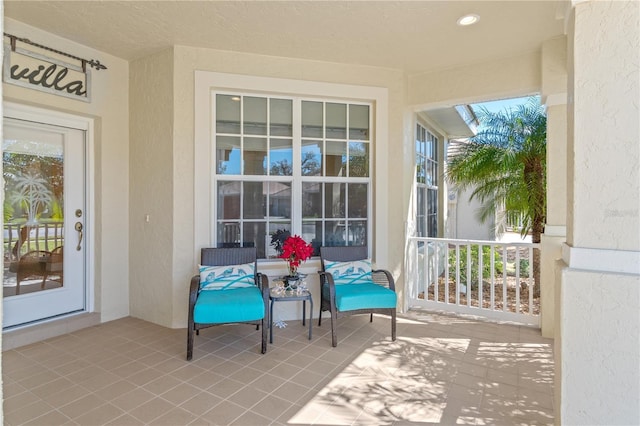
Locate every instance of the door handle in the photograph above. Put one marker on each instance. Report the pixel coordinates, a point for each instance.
(79, 228)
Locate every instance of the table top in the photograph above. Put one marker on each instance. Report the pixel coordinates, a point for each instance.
(276, 294)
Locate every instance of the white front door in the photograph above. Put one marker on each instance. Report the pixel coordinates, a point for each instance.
(45, 226)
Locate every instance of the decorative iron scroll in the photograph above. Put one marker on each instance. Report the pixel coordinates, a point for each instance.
(35, 70)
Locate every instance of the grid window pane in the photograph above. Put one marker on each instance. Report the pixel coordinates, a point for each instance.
(254, 200)
(357, 200)
(312, 119)
(228, 114)
(334, 199)
(281, 117)
(335, 233)
(312, 233)
(228, 234)
(228, 155)
(359, 122)
(336, 121)
(254, 234)
(357, 233)
(255, 115)
(358, 159)
(229, 200)
(311, 162)
(280, 157)
(426, 183)
(279, 199)
(256, 137)
(255, 156)
(311, 200)
(274, 227)
(336, 159)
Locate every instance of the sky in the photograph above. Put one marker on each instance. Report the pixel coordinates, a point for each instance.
(497, 106)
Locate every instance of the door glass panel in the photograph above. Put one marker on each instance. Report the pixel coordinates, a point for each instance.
(33, 171)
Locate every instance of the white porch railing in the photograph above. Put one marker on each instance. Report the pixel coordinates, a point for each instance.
(19, 239)
(484, 278)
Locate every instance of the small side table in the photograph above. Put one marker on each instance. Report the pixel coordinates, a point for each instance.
(289, 296)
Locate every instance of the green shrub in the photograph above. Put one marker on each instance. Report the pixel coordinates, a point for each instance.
(486, 264)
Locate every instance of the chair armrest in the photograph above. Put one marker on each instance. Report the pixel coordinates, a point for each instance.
(328, 278)
(262, 281)
(390, 280)
(194, 288)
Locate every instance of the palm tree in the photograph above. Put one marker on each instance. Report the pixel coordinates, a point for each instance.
(505, 165)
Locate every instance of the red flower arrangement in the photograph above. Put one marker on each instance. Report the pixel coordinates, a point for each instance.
(295, 250)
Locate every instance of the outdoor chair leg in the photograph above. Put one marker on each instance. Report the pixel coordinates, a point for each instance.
(263, 349)
(334, 336)
(393, 325)
(189, 342)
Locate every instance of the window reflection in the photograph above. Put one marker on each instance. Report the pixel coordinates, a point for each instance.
(254, 153)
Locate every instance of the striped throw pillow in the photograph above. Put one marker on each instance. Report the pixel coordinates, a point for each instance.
(355, 272)
(226, 277)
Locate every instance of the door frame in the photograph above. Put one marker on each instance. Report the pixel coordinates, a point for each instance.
(86, 124)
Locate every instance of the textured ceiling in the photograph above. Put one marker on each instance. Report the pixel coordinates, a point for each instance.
(415, 36)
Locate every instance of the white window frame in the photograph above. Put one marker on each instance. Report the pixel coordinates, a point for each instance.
(207, 83)
(426, 186)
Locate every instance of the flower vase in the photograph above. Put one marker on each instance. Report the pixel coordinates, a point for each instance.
(291, 281)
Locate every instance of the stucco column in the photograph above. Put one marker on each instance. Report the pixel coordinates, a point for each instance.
(598, 329)
(554, 97)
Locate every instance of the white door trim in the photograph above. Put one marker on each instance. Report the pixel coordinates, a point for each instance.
(62, 119)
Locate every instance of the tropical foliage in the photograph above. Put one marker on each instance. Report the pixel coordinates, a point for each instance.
(505, 167)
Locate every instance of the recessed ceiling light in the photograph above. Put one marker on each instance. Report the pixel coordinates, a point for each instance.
(235, 98)
(469, 19)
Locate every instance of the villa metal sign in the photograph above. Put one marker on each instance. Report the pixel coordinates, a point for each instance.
(36, 71)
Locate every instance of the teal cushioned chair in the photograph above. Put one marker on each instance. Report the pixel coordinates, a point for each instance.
(230, 306)
(374, 296)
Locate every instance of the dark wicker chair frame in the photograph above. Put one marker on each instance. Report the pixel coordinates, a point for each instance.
(221, 257)
(347, 254)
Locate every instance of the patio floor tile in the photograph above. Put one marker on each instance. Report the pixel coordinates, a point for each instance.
(442, 369)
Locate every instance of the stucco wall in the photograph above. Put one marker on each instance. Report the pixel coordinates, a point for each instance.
(151, 197)
(598, 325)
(600, 367)
(468, 226)
(606, 134)
(498, 79)
(109, 108)
(393, 187)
